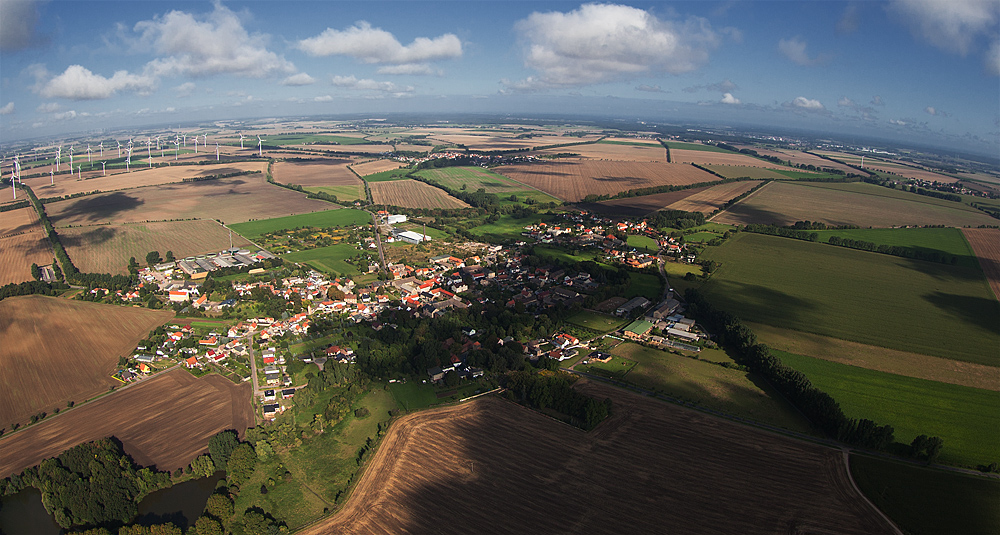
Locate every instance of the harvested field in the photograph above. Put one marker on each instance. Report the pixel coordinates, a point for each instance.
(742, 171)
(231, 200)
(411, 193)
(800, 157)
(656, 468)
(713, 198)
(354, 149)
(58, 350)
(139, 177)
(986, 243)
(704, 157)
(572, 181)
(156, 420)
(622, 151)
(318, 172)
(499, 142)
(107, 248)
(859, 204)
(22, 243)
(642, 205)
(880, 359)
(376, 166)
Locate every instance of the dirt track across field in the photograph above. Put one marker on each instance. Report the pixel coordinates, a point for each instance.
(489, 466)
(165, 421)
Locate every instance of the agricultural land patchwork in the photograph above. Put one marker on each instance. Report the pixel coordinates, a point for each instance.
(22, 242)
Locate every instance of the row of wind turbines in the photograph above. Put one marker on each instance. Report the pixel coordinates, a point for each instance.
(162, 146)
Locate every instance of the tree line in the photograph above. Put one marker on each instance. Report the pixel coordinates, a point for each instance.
(555, 391)
(894, 250)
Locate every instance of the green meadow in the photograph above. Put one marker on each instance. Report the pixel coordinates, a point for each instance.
(326, 218)
(910, 305)
(943, 240)
(327, 259)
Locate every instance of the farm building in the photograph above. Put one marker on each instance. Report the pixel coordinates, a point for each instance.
(395, 219)
(409, 236)
(665, 309)
(684, 335)
(632, 304)
(637, 329)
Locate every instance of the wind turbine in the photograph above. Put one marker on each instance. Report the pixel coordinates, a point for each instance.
(128, 160)
(149, 151)
(71, 159)
(88, 153)
(119, 148)
(216, 151)
(206, 140)
(102, 149)
(185, 140)
(196, 144)
(52, 178)
(58, 156)
(79, 170)
(241, 141)
(177, 146)
(103, 172)
(260, 147)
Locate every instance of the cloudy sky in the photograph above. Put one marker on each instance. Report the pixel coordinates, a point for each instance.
(925, 70)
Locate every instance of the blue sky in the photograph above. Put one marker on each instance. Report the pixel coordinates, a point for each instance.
(919, 70)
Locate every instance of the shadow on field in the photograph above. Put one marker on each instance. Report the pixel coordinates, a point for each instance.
(90, 238)
(761, 304)
(100, 207)
(979, 311)
(747, 214)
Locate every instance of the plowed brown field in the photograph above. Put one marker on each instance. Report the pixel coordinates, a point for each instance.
(319, 172)
(164, 421)
(107, 248)
(986, 244)
(22, 243)
(574, 180)
(712, 199)
(376, 166)
(411, 193)
(704, 157)
(646, 152)
(58, 350)
(232, 200)
(650, 468)
(640, 206)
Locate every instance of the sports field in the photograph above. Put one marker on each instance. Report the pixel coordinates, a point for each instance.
(855, 204)
(231, 200)
(328, 259)
(967, 419)
(326, 218)
(107, 248)
(57, 350)
(874, 299)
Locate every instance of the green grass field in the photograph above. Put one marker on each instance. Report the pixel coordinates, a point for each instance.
(701, 237)
(342, 193)
(643, 243)
(563, 255)
(474, 178)
(616, 368)
(943, 240)
(508, 227)
(710, 385)
(929, 502)
(695, 146)
(596, 321)
(386, 176)
(646, 285)
(911, 305)
(630, 143)
(327, 259)
(414, 395)
(326, 218)
(967, 419)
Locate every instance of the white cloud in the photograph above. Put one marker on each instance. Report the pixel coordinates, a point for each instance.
(649, 88)
(951, 25)
(422, 69)
(375, 45)
(993, 59)
(48, 107)
(877, 101)
(725, 86)
(7, 109)
(78, 83)
(185, 89)
(214, 43)
(931, 110)
(804, 103)
(65, 116)
(728, 98)
(299, 79)
(18, 19)
(324, 98)
(366, 84)
(603, 42)
(795, 50)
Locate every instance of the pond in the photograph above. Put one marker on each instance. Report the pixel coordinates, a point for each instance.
(23, 513)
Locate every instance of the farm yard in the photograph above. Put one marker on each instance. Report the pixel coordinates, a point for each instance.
(574, 180)
(57, 350)
(674, 469)
(967, 419)
(230, 200)
(22, 242)
(375, 166)
(855, 204)
(642, 205)
(411, 193)
(107, 248)
(869, 298)
(713, 198)
(986, 243)
(160, 421)
(139, 177)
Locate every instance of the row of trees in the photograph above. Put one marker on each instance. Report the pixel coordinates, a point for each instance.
(894, 250)
(30, 288)
(555, 391)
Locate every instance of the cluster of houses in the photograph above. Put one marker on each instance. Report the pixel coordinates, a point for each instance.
(560, 346)
(676, 330)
